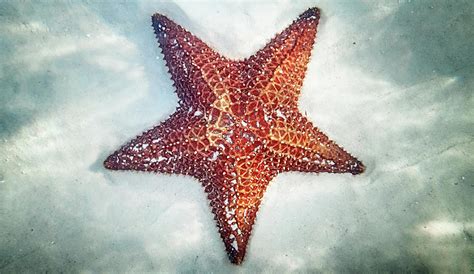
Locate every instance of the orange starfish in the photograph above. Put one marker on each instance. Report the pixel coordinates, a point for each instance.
(237, 125)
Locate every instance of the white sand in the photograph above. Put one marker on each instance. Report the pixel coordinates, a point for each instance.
(391, 82)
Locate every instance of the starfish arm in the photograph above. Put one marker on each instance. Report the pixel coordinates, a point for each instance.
(178, 145)
(199, 73)
(302, 147)
(277, 71)
(235, 190)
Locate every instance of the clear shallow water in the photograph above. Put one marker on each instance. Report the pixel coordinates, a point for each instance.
(391, 82)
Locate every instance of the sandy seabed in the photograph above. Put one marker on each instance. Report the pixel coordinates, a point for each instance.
(391, 81)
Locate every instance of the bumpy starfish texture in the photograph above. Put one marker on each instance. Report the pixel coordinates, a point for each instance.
(237, 124)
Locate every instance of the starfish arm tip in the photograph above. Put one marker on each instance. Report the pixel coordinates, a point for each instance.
(236, 259)
(110, 162)
(357, 168)
(157, 16)
(160, 23)
(313, 13)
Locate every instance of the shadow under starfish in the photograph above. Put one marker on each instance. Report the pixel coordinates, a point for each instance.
(237, 124)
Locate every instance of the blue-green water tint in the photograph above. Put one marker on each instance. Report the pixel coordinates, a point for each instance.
(390, 81)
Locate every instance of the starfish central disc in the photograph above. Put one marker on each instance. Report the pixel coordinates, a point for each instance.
(237, 124)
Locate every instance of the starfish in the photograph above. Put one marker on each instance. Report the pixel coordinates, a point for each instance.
(237, 124)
